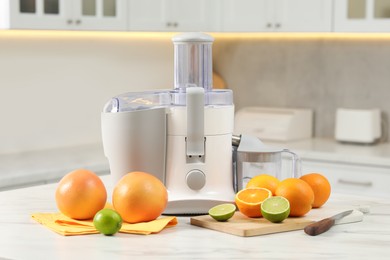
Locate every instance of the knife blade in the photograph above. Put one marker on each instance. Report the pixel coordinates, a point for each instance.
(324, 225)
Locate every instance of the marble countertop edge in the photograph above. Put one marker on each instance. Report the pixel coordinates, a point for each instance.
(45, 166)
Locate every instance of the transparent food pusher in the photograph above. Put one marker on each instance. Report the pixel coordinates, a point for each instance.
(182, 136)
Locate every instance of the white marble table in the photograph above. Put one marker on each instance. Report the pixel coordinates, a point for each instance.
(23, 238)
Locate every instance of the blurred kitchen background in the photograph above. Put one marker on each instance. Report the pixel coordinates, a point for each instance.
(60, 61)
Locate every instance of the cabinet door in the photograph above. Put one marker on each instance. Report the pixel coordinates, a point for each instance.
(362, 16)
(173, 15)
(353, 179)
(247, 15)
(147, 15)
(40, 14)
(277, 15)
(100, 15)
(190, 15)
(304, 15)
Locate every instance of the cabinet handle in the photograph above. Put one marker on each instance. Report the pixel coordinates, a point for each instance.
(356, 183)
(169, 24)
(78, 21)
(278, 25)
(69, 21)
(175, 24)
(269, 25)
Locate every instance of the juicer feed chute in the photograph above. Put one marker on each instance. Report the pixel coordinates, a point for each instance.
(193, 61)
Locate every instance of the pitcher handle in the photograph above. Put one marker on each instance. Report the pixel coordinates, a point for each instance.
(296, 164)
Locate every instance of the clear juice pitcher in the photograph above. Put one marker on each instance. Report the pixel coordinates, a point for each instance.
(251, 157)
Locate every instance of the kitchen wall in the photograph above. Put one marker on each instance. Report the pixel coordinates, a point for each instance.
(317, 72)
(54, 84)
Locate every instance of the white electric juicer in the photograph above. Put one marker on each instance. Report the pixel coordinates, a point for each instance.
(182, 136)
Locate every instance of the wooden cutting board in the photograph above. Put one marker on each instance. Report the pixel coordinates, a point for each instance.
(241, 225)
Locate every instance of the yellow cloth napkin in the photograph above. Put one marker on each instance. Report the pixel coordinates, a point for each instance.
(70, 227)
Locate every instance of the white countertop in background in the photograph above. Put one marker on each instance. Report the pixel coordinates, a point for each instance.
(39, 167)
(329, 150)
(32, 168)
(23, 238)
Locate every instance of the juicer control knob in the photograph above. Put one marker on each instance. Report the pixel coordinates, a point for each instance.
(196, 179)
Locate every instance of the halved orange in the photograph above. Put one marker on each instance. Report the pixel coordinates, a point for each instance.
(249, 201)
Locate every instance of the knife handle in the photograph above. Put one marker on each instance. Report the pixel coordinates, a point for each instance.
(319, 227)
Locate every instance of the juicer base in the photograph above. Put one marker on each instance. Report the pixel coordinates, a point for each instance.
(192, 206)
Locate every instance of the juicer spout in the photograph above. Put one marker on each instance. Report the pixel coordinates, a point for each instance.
(248, 143)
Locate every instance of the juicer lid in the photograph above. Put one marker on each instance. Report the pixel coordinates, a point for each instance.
(135, 101)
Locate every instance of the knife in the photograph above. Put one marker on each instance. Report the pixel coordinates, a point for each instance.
(324, 225)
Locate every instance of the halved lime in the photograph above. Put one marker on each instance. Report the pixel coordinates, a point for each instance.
(275, 209)
(222, 212)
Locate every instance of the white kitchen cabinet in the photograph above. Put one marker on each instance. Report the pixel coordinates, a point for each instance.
(362, 16)
(350, 168)
(247, 15)
(64, 14)
(366, 180)
(173, 15)
(277, 15)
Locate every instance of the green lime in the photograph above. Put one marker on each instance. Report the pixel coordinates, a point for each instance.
(275, 209)
(107, 221)
(222, 212)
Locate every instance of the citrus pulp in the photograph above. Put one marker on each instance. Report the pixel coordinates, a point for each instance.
(249, 201)
(222, 212)
(275, 209)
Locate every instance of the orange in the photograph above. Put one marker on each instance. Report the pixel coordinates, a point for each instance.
(139, 197)
(264, 181)
(80, 194)
(298, 193)
(321, 188)
(249, 201)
